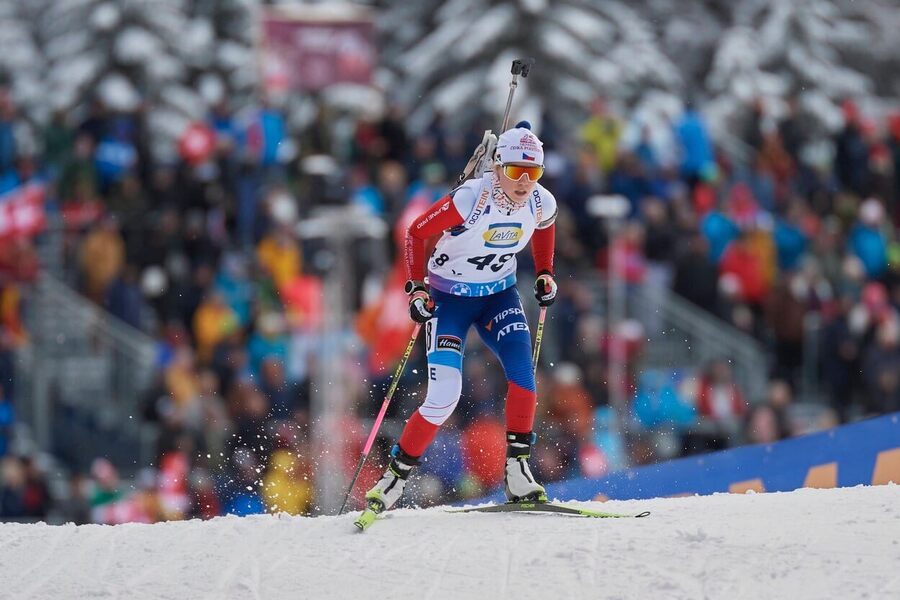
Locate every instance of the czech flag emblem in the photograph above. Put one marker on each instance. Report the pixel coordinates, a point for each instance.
(527, 156)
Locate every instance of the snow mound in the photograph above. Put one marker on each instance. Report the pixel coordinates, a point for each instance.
(804, 544)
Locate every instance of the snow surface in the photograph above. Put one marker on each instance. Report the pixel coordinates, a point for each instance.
(809, 543)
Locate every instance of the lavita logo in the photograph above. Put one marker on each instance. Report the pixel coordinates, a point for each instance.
(503, 235)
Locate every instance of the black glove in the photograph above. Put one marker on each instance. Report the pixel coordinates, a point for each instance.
(545, 288)
(421, 305)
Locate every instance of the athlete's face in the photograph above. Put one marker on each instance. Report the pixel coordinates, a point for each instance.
(518, 189)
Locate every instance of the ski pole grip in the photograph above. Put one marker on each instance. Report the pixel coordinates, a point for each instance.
(522, 66)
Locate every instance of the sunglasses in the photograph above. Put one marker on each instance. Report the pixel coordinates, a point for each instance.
(515, 172)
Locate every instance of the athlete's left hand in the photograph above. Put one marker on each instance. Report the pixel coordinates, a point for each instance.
(545, 288)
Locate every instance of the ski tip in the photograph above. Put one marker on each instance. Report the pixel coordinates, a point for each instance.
(646, 513)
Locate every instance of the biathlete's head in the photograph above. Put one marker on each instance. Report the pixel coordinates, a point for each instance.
(519, 161)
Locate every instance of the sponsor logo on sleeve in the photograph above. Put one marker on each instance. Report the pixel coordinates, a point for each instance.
(433, 215)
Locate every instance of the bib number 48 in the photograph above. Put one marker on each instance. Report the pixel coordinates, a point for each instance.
(481, 262)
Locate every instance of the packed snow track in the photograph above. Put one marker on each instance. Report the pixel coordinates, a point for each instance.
(842, 543)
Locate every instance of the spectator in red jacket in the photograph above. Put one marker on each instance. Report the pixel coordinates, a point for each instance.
(719, 398)
(721, 407)
(745, 264)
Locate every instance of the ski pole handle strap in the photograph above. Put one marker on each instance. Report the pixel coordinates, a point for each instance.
(421, 305)
(545, 289)
(414, 285)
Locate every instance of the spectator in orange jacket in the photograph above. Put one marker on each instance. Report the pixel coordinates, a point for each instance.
(213, 321)
(102, 259)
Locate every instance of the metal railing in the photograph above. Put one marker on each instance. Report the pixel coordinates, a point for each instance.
(83, 377)
(683, 336)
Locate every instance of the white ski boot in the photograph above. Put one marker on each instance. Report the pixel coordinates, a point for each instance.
(520, 483)
(389, 488)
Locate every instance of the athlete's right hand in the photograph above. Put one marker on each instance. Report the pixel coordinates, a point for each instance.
(421, 305)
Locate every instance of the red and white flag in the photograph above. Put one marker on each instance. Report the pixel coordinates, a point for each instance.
(22, 211)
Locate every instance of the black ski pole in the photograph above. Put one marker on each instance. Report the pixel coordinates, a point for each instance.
(520, 66)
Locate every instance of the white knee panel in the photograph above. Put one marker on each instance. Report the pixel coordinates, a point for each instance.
(444, 388)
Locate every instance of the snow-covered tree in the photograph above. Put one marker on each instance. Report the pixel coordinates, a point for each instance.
(131, 51)
(819, 51)
(22, 64)
(182, 56)
(688, 31)
(231, 72)
(455, 56)
(178, 56)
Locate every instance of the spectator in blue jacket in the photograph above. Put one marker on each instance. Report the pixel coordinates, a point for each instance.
(7, 419)
(696, 149)
(790, 240)
(867, 241)
(8, 150)
(657, 402)
(719, 230)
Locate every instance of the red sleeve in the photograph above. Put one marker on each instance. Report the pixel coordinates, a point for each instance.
(542, 244)
(440, 217)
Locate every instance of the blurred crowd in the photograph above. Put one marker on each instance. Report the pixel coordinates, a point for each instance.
(203, 251)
